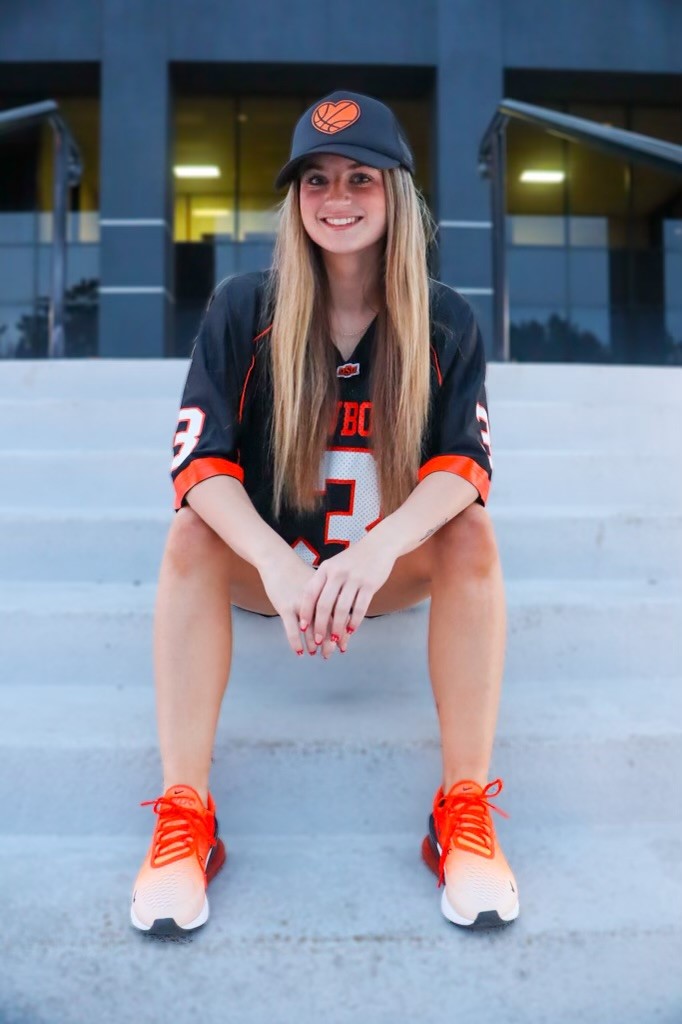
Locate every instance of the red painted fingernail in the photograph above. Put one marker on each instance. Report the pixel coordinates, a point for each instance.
(312, 652)
(300, 652)
(350, 630)
(318, 642)
(334, 638)
(303, 625)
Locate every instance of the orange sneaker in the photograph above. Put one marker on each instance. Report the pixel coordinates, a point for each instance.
(462, 850)
(169, 896)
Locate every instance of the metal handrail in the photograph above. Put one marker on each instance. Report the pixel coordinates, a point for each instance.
(665, 156)
(67, 174)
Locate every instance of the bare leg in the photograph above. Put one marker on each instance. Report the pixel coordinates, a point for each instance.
(192, 648)
(467, 628)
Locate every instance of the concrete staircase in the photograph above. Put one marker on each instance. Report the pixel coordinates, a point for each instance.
(324, 772)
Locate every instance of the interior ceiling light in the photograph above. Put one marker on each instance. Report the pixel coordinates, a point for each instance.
(196, 171)
(544, 177)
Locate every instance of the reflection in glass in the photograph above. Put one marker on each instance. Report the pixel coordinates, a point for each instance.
(551, 336)
(595, 267)
(26, 196)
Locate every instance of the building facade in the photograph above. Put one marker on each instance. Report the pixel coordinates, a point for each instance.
(154, 90)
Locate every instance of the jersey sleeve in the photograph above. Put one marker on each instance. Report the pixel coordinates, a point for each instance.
(460, 437)
(206, 441)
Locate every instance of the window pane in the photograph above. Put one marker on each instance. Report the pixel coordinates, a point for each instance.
(265, 125)
(531, 149)
(536, 230)
(588, 271)
(541, 334)
(597, 182)
(16, 330)
(588, 231)
(204, 138)
(538, 276)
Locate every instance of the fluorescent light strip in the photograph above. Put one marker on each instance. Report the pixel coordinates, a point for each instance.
(543, 177)
(196, 171)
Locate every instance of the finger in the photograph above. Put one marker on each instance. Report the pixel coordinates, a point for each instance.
(309, 640)
(360, 606)
(290, 623)
(341, 614)
(324, 609)
(328, 647)
(309, 596)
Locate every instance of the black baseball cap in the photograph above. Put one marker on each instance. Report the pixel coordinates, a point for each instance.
(349, 124)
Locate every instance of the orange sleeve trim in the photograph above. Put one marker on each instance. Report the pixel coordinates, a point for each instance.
(461, 466)
(202, 469)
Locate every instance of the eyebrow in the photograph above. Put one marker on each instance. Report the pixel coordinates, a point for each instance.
(317, 167)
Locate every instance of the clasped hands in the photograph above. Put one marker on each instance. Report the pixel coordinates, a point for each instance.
(323, 607)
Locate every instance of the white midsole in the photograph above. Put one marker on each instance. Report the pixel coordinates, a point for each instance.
(201, 918)
(452, 915)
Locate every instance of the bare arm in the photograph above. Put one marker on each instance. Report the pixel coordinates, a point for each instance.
(437, 499)
(350, 579)
(223, 503)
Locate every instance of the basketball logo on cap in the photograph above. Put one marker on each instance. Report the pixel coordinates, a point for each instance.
(334, 117)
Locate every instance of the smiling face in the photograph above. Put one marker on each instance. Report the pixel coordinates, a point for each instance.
(342, 203)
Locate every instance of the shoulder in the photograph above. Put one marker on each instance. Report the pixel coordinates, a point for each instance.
(453, 323)
(239, 296)
(233, 314)
(449, 309)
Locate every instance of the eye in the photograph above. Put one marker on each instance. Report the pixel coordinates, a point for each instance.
(310, 179)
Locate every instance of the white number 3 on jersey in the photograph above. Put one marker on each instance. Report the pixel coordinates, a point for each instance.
(482, 417)
(188, 439)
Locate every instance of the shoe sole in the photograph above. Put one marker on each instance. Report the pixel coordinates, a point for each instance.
(485, 919)
(167, 927)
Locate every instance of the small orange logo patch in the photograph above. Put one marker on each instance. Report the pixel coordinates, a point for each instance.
(334, 117)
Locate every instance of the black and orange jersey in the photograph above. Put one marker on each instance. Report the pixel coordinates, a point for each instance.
(227, 400)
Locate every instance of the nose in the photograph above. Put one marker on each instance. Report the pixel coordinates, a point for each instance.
(337, 189)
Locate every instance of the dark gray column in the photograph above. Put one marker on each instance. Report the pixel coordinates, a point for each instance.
(470, 82)
(136, 280)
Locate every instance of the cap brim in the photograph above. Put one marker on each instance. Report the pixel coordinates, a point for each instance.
(365, 156)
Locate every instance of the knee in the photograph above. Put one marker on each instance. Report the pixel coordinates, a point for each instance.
(469, 540)
(191, 542)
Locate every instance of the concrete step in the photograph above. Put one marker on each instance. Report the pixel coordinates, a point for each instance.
(103, 632)
(122, 544)
(116, 379)
(93, 479)
(348, 929)
(590, 750)
(133, 423)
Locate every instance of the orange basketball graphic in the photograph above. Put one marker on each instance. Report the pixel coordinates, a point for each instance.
(334, 117)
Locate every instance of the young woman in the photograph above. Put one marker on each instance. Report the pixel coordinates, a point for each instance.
(332, 462)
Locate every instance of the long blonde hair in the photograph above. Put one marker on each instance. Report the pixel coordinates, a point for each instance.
(302, 359)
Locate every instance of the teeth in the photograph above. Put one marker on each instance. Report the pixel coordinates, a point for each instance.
(340, 220)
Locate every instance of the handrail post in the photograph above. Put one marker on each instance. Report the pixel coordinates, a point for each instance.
(56, 342)
(498, 188)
